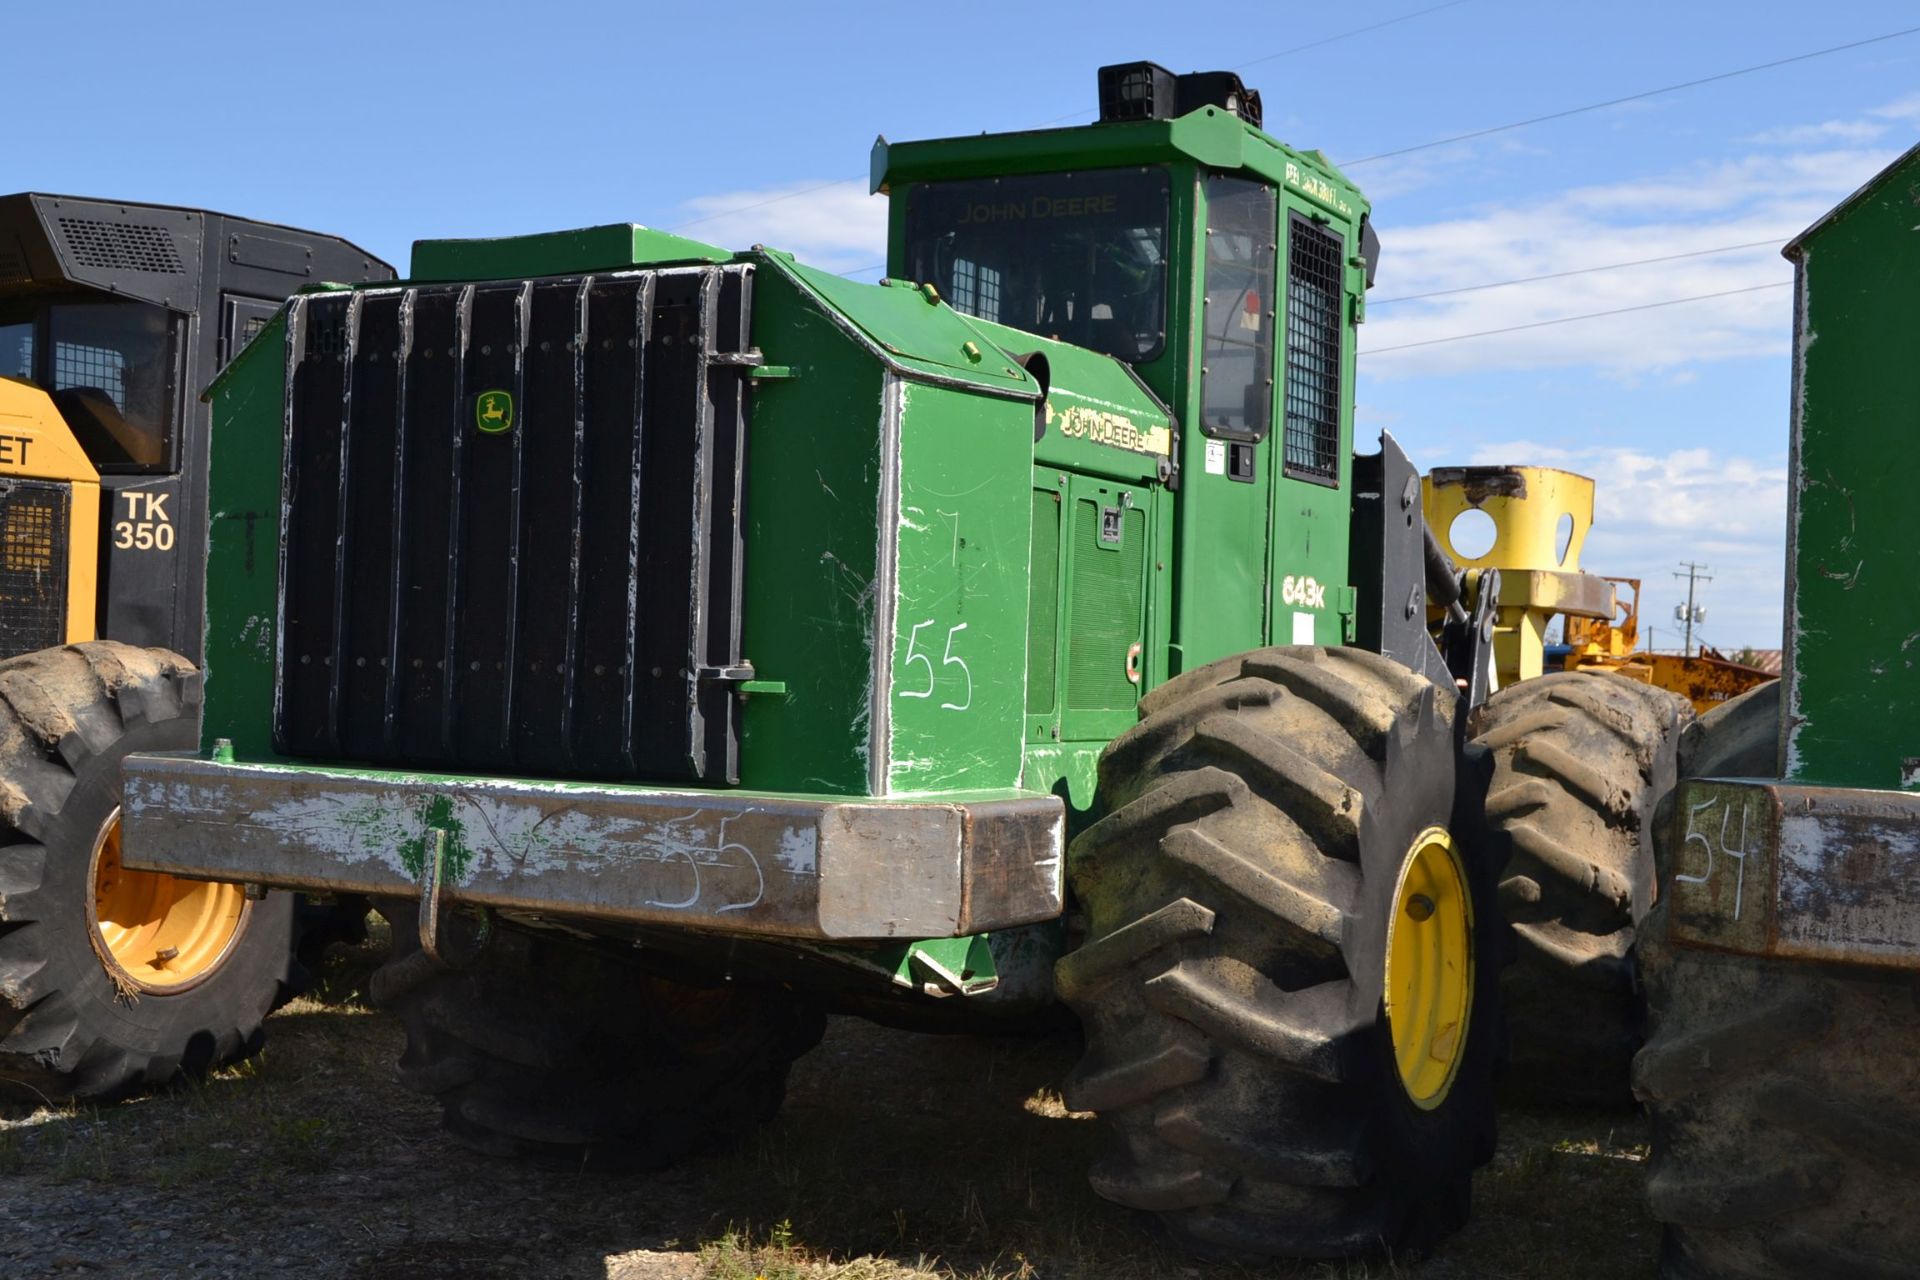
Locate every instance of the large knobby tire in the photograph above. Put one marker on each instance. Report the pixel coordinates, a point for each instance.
(71, 1027)
(1237, 895)
(1581, 763)
(1785, 1097)
(558, 1051)
(1737, 739)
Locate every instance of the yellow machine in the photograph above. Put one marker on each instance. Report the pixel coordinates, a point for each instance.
(39, 455)
(1531, 523)
(1611, 645)
(112, 316)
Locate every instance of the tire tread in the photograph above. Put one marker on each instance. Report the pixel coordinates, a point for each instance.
(1582, 762)
(66, 717)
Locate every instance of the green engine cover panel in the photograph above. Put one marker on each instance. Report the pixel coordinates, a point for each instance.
(887, 526)
(956, 687)
(243, 542)
(1853, 610)
(813, 487)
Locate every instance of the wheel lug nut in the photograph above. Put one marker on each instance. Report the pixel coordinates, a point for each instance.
(1420, 907)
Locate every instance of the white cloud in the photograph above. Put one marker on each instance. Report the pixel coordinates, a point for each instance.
(1654, 510)
(1387, 180)
(1760, 198)
(1829, 131)
(1903, 110)
(835, 226)
(1656, 507)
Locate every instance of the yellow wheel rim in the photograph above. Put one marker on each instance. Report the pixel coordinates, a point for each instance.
(155, 932)
(1429, 986)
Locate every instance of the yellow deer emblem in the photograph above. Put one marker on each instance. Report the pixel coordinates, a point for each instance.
(493, 411)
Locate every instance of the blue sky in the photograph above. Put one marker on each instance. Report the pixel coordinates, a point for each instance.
(396, 121)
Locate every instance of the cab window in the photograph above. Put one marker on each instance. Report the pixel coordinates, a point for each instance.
(112, 369)
(1236, 365)
(1079, 257)
(16, 348)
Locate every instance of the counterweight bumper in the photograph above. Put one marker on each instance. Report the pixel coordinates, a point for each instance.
(752, 863)
(1803, 872)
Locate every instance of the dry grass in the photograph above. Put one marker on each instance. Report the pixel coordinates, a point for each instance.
(897, 1156)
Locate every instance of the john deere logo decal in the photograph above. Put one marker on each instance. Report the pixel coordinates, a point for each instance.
(493, 411)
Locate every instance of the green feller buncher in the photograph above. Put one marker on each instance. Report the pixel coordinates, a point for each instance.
(1783, 1067)
(684, 642)
(112, 316)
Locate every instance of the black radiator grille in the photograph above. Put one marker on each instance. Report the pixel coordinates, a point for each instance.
(512, 525)
(1315, 257)
(34, 516)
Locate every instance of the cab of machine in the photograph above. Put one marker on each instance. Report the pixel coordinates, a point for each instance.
(1226, 269)
(111, 365)
(120, 313)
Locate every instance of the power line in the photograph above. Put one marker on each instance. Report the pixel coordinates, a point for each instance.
(1536, 324)
(1420, 146)
(1501, 284)
(1591, 315)
(1768, 243)
(1632, 97)
(1578, 271)
(1302, 48)
(1348, 35)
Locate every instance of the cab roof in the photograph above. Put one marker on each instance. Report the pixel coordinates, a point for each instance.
(1212, 136)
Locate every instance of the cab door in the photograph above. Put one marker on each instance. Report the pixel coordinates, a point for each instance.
(1309, 600)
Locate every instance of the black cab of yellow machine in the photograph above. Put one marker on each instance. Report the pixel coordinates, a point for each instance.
(113, 316)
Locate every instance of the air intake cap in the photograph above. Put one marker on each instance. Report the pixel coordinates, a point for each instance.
(1148, 91)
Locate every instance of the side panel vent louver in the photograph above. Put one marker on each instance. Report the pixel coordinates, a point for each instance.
(121, 246)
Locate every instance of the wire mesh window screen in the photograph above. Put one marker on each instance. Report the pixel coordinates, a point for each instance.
(102, 368)
(1315, 258)
(33, 565)
(28, 532)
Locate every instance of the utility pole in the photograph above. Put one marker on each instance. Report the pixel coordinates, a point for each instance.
(1689, 613)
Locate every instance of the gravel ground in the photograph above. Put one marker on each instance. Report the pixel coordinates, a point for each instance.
(896, 1156)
